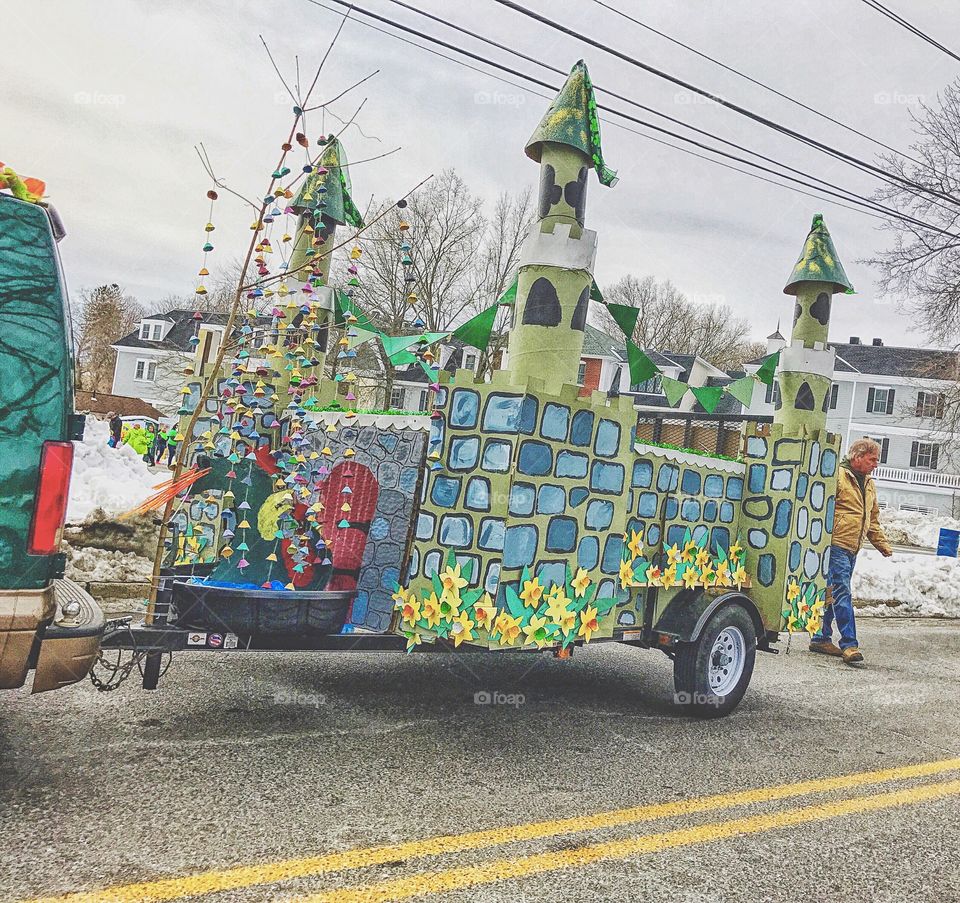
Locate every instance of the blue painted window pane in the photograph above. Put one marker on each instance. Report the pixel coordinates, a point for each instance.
(414, 563)
(816, 530)
(521, 499)
(734, 488)
(437, 429)
(492, 580)
(478, 494)
(561, 534)
(668, 477)
(710, 510)
(636, 525)
(653, 534)
(464, 408)
(551, 500)
(815, 464)
(757, 538)
(828, 519)
(726, 512)
(647, 506)
(608, 438)
(781, 478)
(528, 414)
(455, 530)
(496, 455)
(825, 563)
(766, 569)
(811, 563)
(691, 482)
(719, 539)
(675, 535)
(612, 553)
(556, 419)
(582, 430)
(690, 510)
(816, 495)
(713, 486)
(571, 464)
(536, 458)
(440, 397)
(802, 482)
(699, 534)
(781, 517)
(795, 550)
(519, 546)
(431, 563)
(758, 477)
(445, 491)
(425, 524)
(490, 536)
(552, 573)
(578, 496)
(642, 474)
(670, 508)
(599, 514)
(502, 413)
(828, 463)
(606, 476)
(464, 453)
(469, 564)
(588, 554)
(756, 447)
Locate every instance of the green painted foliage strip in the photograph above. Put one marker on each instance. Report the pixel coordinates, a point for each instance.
(476, 331)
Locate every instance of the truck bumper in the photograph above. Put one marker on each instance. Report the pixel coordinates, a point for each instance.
(70, 645)
(23, 614)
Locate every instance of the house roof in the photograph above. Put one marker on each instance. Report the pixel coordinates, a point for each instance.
(103, 403)
(163, 316)
(178, 337)
(599, 344)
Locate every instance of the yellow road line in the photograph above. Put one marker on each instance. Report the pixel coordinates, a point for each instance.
(283, 870)
(542, 863)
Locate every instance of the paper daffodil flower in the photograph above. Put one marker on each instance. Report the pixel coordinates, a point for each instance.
(462, 628)
(557, 605)
(703, 558)
(626, 574)
(792, 623)
(635, 545)
(669, 576)
(537, 633)
(734, 550)
(580, 583)
(588, 623)
(739, 576)
(690, 576)
(410, 610)
(431, 610)
(452, 583)
(813, 625)
(723, 574)
(653, 576)
(399, 597)
(507, 628)
(532, 592)
(449, 606)
(689, 551)
(793, 590)
(413, 639)
(673, 555)
(707, 574)
(484, 611)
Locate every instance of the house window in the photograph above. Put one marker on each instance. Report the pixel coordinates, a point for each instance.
(924, 455)
(581, 373)
(396, 398)
(157, 329)
(422, 403)
(884, 443)
(880, 400)
(144, 331)
(772, 395)
(470, 362)
(146, 371)
(930, 404)
(834, 390)
(652, 386)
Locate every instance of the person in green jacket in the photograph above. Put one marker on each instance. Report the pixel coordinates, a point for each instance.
(170, 436)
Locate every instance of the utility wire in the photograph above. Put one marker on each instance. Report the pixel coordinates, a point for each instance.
(756, 117)
(903, 23)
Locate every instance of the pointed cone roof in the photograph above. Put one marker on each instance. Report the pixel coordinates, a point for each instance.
(572, 120)
(338, 203)
(818, 262)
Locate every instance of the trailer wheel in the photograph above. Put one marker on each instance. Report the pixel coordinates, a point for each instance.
(711, 674)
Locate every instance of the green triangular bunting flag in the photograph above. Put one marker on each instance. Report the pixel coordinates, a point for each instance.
(768, 368)
(509, 295)
(641, 367)
(742, 390)
(394, 343)
(626, 317)
(595, 294)
(708, 396)
(476, 331)
(402, 358)
(362, 335)
(673, 389)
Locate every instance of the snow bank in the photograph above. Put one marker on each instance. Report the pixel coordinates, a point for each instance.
(911, 528)
(907, 584)
(107, 566)
(115, 479)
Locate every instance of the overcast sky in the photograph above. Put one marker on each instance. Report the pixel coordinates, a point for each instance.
(105, 100)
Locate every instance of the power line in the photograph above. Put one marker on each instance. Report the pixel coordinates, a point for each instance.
(756, 117)
(903, 23)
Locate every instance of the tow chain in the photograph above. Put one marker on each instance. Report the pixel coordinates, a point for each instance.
(118, 671)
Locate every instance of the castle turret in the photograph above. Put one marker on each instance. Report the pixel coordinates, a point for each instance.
(556, 265)
(806, 363)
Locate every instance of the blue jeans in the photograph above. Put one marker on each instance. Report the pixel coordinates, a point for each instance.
(841, 571)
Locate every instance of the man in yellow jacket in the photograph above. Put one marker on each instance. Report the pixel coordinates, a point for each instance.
(856, 518)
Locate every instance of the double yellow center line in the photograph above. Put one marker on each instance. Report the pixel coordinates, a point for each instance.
(539, 863)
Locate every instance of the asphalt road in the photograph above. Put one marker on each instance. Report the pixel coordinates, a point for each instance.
(248, 773)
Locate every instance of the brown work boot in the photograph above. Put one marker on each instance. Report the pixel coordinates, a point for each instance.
(825, 647)
(852, 656)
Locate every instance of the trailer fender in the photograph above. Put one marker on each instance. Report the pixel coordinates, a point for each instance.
(690, 610)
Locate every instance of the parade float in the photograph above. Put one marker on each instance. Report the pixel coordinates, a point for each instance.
(518, 513)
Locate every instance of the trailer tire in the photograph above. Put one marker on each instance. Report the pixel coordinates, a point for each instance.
(711, 674)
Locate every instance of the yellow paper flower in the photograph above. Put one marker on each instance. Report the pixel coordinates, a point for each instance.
(462, 628)
(580, 583)
(707, 574)
(399, 597)
(588, 623)
(723, 574)
(690, 576)
(689, 549)
(635, 545)
(669, 576)
(410, 610)
(413, 639)
(793, 590)
(792, 623)
(813, 625)
(431, 610)
(452, 584)
(450, 606)
(532, 593)
(626, 574)
(653, 576)
(703, 557)
(557, 605)
(484, 612)
(734, 550)
(507, 628)
(673, 554)
(739, 576)
(536, 631)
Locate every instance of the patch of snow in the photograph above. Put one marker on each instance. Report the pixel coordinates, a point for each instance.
(114, 479)
(106, 565)
(911, 528)
(907, 584)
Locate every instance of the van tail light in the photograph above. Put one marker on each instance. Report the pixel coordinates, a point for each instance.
(53, 490)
